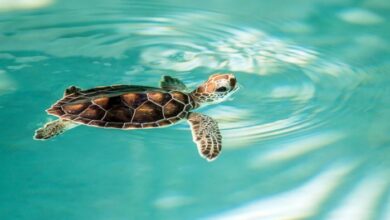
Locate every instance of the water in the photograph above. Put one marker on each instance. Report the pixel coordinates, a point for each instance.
(306, 137)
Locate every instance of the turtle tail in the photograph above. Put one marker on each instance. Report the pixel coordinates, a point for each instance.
(52, 129)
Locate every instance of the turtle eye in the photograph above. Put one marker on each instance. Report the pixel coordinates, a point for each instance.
(221, 89)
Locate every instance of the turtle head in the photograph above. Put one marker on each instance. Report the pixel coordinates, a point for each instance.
(216, 89)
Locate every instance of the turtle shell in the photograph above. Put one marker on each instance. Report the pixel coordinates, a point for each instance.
(124, 107)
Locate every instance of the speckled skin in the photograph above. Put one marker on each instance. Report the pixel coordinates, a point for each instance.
(209, 91)
(124, 107)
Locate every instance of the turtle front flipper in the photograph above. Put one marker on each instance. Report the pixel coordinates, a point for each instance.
(170, 83)
(206, 135)
(53, 128)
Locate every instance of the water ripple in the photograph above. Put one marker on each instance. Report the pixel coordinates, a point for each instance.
(295, 88)
(289, 94)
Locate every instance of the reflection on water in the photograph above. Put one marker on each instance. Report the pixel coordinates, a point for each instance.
(360, 16)
(302, 201)
(305, 137)
(10, 5)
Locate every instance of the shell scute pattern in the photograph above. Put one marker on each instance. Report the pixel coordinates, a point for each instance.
(132, 125)
(164, 123)
(183, 115)
(102, 102)
(75, 108)
(134, 100)
(114, 125)
(112, 107)
(148, 112)
(97, 123)
(173, 108)
(149, 125)
(180, 97)
(159, 98)
(55, 110)
(70, 117)
(119, 114)
(82, 120)
(93, 112)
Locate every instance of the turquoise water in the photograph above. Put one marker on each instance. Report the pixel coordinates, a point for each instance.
(306, 136)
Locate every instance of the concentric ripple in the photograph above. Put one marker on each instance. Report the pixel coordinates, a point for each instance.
(294, 88)
(286, 88)
(288, 131)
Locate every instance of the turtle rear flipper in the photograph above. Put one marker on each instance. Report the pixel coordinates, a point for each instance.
(71, 90)
(206, 135)
(53, 128)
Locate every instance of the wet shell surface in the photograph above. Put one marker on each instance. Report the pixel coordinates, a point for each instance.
(124, 107)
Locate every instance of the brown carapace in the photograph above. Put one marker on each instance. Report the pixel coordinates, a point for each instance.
(124, 107)
(138, 107)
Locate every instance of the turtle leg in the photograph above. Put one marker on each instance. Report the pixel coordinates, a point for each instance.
(52, 129)
(170, 83)
(72, 90)
(206, 135)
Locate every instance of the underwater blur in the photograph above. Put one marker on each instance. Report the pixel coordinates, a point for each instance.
(307, 135)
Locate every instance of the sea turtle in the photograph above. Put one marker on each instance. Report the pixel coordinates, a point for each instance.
(138, 107)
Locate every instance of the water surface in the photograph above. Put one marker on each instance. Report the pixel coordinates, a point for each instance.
(306, 137)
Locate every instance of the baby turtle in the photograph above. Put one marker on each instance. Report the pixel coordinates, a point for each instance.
(138, 107)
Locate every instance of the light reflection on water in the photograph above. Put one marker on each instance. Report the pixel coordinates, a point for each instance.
(299, 136)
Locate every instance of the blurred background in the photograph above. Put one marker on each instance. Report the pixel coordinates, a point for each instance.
(306, 137)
